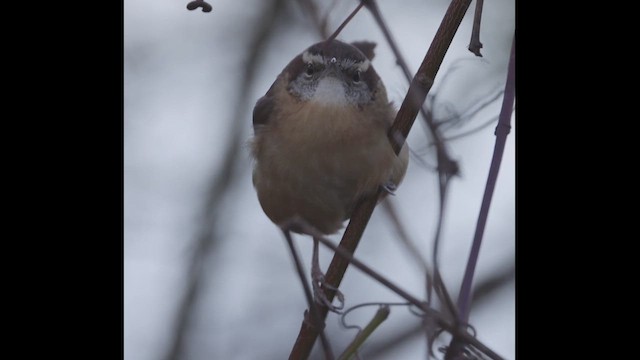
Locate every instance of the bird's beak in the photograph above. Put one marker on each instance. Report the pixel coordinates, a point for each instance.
(334, 71)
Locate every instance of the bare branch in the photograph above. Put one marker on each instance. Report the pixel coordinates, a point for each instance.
(475, 45)
(457, 346)
(345, 22)
(312, 11)
(387, 206)
(502, 130)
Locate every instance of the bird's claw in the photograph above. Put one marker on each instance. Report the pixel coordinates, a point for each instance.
(389, 188)
(319, 284)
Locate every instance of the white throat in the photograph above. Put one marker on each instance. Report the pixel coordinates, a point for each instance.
(330, 91)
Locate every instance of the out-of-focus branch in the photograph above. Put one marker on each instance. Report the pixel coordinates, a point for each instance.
(387, 206)
(418, 90)
(460, 118)
(222, 181)
(320, 22)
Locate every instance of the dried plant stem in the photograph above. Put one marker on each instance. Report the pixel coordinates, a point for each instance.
(425, 76)
(503, 128)
(379, 317)
(403, 236)
(475, 45)
(418, 90)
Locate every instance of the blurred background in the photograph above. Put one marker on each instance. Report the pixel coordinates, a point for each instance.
(206, 274)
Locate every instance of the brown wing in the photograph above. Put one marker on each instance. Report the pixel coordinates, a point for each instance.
(262, 112)
(263, 109)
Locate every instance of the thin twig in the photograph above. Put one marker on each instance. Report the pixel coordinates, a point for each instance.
(345, 22)
(503, 128)
(389, 208)
(475, 45)
(469, 112)
(472, 131)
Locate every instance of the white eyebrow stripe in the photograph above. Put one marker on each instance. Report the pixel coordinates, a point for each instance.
(308, 57)
(364, 66)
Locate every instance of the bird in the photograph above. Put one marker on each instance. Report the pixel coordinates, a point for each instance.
(320, 142)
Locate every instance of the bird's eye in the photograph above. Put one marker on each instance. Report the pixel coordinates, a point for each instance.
(309, 70)
(356, 76)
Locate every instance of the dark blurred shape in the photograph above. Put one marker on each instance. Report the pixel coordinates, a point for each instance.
(320, 22)
(366, 47)
(208, 236)
(199, 3)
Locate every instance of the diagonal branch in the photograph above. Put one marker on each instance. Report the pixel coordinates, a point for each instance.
(445, 164)
(418, 90)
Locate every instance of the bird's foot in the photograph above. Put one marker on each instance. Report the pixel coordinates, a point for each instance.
(319, 284)
(389, 188)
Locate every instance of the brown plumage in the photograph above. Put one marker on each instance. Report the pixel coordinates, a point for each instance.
(315, 154)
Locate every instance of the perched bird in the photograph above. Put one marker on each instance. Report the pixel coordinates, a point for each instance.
(320, 141)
